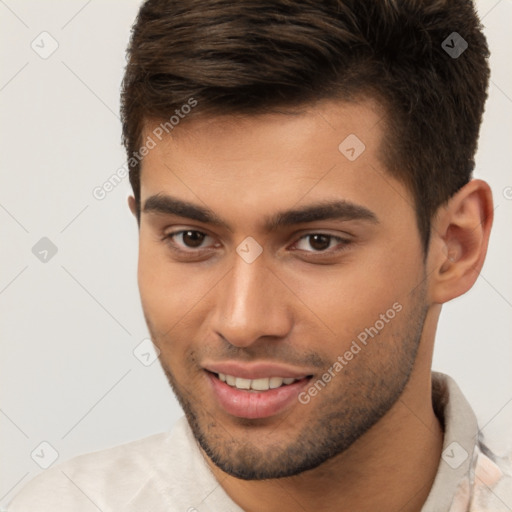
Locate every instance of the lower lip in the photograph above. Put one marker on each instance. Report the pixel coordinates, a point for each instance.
(255, 404)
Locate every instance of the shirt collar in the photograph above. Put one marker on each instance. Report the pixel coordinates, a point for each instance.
(460, 444)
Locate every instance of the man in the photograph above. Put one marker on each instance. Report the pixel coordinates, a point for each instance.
(301, 176)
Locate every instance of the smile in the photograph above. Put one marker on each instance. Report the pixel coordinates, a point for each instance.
(260, 397)
(263, 384)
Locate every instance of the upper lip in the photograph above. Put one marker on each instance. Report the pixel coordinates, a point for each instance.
(256, 370)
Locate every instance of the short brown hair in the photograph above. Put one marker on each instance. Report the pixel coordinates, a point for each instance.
(252, 56)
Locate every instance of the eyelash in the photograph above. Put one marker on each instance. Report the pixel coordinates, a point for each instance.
(168, 239)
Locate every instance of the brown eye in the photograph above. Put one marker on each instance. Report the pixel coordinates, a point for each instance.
(186, 239)
(319, 242)
(192, 239)
(316, 241)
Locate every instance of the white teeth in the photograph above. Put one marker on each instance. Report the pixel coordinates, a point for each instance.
(260, 384)
(243, 383)
(263, 384)
(275, 382)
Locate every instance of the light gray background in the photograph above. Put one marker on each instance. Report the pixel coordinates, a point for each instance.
(69, 326)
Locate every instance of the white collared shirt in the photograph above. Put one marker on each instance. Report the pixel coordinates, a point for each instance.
(167, 473)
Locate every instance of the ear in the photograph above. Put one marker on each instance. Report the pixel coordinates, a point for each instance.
(133, 207)
(459, 239)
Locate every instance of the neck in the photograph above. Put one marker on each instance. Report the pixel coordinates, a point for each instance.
(391, 467)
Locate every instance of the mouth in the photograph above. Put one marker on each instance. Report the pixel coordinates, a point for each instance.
(262, 384)
(260, 397)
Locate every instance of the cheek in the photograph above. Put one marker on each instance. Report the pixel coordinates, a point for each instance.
(172, 294)
(162, 286)
(351, 297)
(165, 303)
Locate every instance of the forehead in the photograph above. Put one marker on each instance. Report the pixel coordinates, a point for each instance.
(255, 135)
(265, 163)
(238, 144)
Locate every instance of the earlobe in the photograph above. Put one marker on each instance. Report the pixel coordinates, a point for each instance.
(461, 229)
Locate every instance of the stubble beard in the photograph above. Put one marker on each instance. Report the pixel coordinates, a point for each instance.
(369, 390)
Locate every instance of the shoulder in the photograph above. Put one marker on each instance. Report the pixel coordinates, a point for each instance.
(489, 486)
(83, 482)
(492, 481)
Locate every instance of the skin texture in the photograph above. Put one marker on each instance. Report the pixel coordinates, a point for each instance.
(372, 426)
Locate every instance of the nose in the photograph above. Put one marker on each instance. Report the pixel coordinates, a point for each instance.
(251, 303)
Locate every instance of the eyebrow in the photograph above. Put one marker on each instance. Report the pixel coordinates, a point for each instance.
(324, 210)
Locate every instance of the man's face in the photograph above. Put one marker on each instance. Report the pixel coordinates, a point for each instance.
(300, 295)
